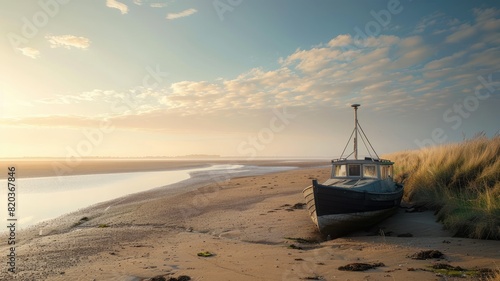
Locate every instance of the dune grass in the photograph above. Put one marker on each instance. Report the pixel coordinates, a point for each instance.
(461, 181)
(495, 277)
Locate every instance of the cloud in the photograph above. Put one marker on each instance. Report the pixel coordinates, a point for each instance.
(427, 22)
(488, 59)
(152, 3)
(158, 5)
(313, 59)
(185, 13)
(380, 41)
(68, 41)
(52, 121)
(446, 61)
(390, 72)
(487, 18)
(340, 40)
(117, 5)
(30, 52)
(411, 51)
(485, 21)
(464, 31)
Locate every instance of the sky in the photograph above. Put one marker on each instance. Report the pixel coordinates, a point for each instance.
(141, 78)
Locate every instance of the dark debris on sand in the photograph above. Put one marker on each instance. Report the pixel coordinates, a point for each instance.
(180, 278)
(293, 246)
(303, 240)
(447, 267)
(296, 206)
(313, 278)
(162, 278)
(299, 206)
(360, 266)
(425, 255)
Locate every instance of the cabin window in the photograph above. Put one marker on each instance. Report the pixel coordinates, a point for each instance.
(386, 172)
(340, 171)
(354, 170)
(369, 171)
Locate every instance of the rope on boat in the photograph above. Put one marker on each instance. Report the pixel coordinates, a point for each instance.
(363, 139)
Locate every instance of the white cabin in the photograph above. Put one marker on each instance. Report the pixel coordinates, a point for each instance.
(368, 168)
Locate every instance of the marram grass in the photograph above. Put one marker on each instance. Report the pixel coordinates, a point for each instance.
(461, 181)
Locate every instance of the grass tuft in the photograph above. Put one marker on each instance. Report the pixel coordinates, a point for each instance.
(205, 254)
(495, 276)
(460, 181)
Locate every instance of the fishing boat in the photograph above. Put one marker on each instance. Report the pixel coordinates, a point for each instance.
(360, 192)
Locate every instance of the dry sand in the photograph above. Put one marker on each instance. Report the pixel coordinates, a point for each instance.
(246, 223)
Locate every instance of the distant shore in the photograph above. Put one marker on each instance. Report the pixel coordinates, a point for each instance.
(254, 228)
(62, 167)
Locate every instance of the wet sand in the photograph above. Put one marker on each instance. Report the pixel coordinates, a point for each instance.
(249, 224)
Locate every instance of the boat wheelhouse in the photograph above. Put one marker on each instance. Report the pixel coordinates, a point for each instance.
(367, 168)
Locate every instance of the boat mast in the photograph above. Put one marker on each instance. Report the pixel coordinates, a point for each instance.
(356, 129)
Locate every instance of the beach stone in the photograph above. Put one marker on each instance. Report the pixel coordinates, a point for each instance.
(357, 266)
(429, 254)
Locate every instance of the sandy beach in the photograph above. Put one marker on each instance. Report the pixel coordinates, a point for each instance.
(254, 227)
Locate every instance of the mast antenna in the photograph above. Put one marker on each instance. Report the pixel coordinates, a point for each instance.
(356, 105)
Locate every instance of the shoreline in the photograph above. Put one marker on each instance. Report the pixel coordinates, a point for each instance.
(200, 175)
(29, 168)
(248, 223)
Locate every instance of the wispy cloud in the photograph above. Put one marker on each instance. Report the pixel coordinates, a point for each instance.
(52, 121)
(158, 5)
(68, 41)
(185, 13)
(445, 62)
(464, 31)
(486, 20)
(152, 3)
(427, 22)
(117, 5)
(30, 52)
(341, 40)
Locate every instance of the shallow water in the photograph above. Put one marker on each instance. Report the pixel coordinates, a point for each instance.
(40, 199)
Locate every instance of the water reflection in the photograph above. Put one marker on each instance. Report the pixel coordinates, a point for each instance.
(44, 198)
